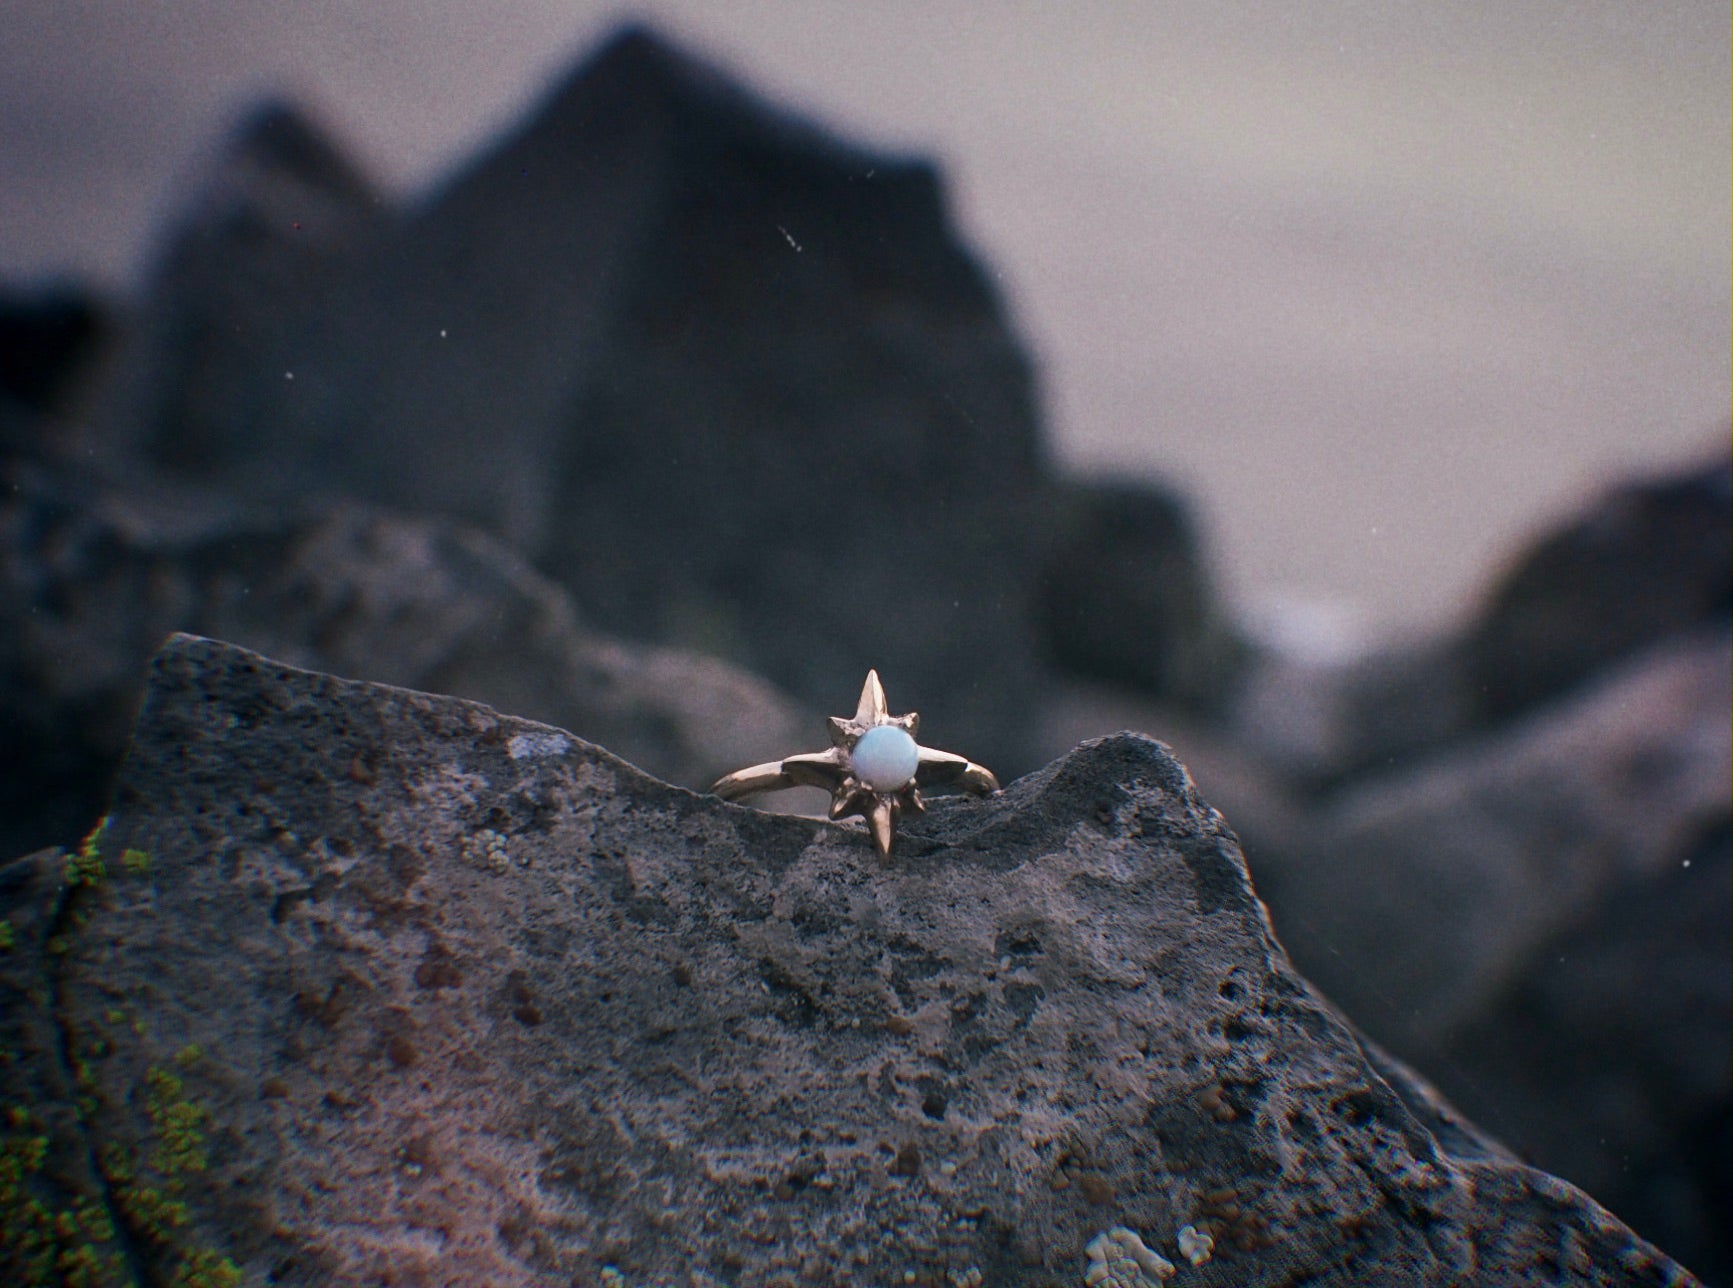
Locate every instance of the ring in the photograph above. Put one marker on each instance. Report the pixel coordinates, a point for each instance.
(873, 770)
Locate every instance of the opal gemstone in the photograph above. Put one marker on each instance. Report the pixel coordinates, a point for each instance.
(885, 758)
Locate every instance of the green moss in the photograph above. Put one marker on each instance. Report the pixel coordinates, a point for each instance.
(180, 1145)
(85, 867)
(149, 1212)
(8, 936)
(150, 1198)
(42, 1243)
(73, 1243)
(207, 1270)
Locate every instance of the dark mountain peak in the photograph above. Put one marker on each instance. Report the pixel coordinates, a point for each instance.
(639, 100)
(638, 51)
(277, 209)
(640, 70)
(279, 178)
(279, 138)
(634, 324)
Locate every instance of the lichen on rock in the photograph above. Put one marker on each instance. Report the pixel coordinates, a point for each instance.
(1118, 1258)
(684, 1039)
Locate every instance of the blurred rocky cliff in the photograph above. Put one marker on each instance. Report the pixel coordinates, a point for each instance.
(670, 414)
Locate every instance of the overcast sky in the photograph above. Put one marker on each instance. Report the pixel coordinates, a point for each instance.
(1385, 284)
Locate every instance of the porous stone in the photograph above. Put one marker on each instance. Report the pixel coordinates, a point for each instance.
(504, 1010)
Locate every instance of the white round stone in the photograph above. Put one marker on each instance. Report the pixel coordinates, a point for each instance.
(885, 758)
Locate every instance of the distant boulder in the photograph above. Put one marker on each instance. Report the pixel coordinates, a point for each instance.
(210, 354)
(1607, 1057)
(735, 383)
(49, 336)
(1124, 595)
(1540, 918)
(94, 574)
(1650, 559)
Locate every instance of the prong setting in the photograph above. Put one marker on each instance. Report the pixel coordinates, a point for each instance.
(887, 780)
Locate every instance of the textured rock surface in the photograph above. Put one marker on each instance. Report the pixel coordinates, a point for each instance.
(727, 378)
(500, 1009)
(700, 359)
(93, 575)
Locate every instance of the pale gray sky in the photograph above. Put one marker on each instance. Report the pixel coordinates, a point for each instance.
(1386, 284)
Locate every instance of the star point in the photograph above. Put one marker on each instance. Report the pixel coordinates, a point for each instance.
(872, 708)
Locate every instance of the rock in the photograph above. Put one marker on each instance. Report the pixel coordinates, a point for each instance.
(213, 352)
(1513, 917)
(1124, 596)
(93, 575)
(1504, 841)
(52, 338)
(1608, 1056)
(1266, 811)
(1652, 559)
(504, 1010)
(1322, 722)
(733, 382)
(49, 337)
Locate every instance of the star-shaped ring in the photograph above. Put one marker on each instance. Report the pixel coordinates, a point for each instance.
(874, 769)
